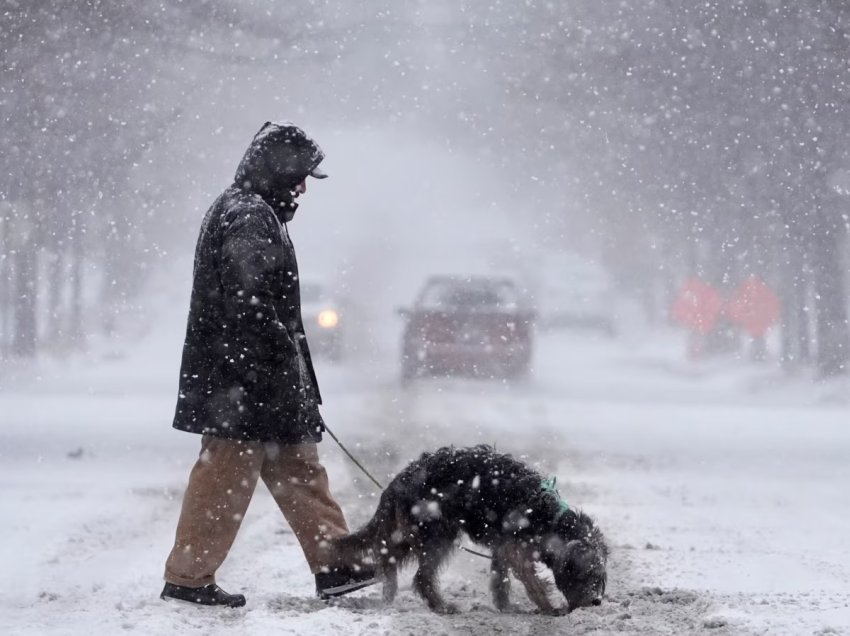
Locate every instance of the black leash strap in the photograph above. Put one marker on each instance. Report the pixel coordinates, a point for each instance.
(353, 458)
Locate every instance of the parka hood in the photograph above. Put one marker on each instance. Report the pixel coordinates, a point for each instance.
(279, 158)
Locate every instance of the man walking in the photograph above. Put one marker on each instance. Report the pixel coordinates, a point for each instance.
(247, 383)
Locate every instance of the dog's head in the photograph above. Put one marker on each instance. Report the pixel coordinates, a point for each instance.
(578, 557)
(580, 574)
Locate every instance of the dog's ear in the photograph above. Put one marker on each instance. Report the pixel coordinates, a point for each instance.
(552, 547)
(556, 551)
(583, 556)
(573, 549)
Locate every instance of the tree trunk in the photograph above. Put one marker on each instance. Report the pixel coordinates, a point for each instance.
(75, 326)
(25, 328)
(803, 332)
(758, 350)
(795, 317)
(5, 289)
(5, 305)
(55, 312)
(833, 336)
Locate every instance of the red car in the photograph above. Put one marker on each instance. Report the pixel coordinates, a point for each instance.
(476, 325)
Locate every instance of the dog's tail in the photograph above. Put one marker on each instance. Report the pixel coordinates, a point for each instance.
(354, 546)
(371, 536)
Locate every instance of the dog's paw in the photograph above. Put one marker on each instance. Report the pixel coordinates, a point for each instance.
(447, 608)
(554, 611)
(510, 608)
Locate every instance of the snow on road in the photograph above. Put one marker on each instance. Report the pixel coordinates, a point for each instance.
(722, 493)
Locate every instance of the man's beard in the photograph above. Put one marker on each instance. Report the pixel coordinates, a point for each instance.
(286, 206)
(287, 211)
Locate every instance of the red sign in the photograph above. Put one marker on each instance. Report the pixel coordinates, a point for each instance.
(754, 307)
(697, 306)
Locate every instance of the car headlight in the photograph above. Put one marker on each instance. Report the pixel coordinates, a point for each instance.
(328, 319)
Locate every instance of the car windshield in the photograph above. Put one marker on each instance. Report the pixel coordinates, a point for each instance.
(469, 295)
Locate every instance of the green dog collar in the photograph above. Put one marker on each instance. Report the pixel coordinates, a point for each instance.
(548, 485)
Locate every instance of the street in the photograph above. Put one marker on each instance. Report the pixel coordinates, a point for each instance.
(725, 509)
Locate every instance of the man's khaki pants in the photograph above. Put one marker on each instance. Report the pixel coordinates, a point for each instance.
(220, 488)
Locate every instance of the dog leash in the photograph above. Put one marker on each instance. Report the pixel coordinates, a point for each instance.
(353, 458)
(380, 487)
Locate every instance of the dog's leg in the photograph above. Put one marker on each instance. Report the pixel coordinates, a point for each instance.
(500, 583)
(389, 573)
(431, 555)
(538, 590)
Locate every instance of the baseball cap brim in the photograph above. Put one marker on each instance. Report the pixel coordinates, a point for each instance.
(316, 173)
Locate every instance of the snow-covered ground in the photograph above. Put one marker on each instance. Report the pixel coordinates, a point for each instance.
(722, 489)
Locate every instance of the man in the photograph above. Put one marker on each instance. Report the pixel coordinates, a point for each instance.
(247, 382)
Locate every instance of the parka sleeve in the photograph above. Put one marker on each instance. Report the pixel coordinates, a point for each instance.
(248, 264)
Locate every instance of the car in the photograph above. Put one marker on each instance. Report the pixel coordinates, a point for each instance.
(574, 292)
(322, 318)
(474, 325)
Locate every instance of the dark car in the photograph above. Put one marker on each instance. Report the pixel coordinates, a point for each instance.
(322, 320)
(467, 325)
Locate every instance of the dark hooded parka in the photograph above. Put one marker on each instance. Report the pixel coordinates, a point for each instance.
(246, 371)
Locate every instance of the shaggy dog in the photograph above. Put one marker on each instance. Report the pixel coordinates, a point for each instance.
(499, 503)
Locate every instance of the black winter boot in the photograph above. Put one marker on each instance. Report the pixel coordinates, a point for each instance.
(210, 594)
(343, 579)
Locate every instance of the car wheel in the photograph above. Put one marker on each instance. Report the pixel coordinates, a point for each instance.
(517, 371)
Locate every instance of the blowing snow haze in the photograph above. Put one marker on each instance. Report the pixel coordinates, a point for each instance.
(661, 139)
(666, 182)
